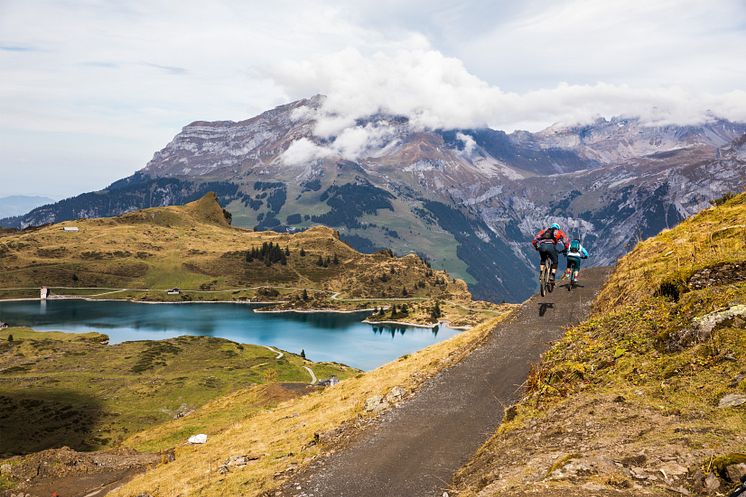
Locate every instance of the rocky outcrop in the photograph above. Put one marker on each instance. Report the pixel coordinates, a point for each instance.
(722, 274)
(702, 328)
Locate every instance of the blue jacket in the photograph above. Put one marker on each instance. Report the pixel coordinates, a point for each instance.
(582, 253)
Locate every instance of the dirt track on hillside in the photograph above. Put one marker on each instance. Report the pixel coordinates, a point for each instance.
(414, 449)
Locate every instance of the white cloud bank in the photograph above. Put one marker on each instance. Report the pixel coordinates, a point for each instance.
(91, 88)
(436, 91)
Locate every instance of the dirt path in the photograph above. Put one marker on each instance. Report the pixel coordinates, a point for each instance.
(415, 449)
(314, 380)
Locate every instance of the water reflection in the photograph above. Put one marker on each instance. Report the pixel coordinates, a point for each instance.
(324, 336)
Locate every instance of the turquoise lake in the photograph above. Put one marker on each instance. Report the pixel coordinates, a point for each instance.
(324, 336)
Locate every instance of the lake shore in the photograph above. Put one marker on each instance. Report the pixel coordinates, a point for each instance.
(136, 301)
(259, 310)
(402, 323)
(310, 311)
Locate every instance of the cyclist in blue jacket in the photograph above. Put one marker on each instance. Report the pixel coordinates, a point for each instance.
(574, 253)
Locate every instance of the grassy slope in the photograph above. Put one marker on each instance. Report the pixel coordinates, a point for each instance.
(621, 403)
(75, 390)
(283, 437)
(439, 244)
(193, 248)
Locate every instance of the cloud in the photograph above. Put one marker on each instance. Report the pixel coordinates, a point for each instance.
(435, 91)
(303, 151)
(74, 79)
(351, 143)
(18, 48)
(468, 142)
(167, 69)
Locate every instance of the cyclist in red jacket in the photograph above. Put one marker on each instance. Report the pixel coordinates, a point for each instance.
(550, 242)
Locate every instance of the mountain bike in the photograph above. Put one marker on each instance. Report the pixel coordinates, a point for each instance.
(545, 280)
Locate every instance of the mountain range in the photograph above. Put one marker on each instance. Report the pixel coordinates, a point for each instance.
(16, 205)
(468, 200)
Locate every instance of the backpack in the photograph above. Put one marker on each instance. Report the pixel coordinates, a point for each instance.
(575, 246)
(548, 234)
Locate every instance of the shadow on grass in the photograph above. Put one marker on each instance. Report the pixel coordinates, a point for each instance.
(33, 421)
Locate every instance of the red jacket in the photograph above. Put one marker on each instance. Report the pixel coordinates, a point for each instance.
(559, 238)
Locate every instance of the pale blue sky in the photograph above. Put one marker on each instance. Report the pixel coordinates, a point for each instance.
(91, 89)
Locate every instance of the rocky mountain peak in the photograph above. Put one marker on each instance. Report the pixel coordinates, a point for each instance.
(467, 200)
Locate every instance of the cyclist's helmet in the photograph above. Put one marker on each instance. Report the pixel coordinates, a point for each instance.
(555, 226)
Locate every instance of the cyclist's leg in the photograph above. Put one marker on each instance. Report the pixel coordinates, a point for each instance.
(568, 267)
(576, 270)
(572, 268)
(543, 262)
(554, 256)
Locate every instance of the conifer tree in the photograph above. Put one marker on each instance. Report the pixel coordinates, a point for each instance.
(436, 312)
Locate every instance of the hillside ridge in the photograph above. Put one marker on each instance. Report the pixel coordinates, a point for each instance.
(193, 247)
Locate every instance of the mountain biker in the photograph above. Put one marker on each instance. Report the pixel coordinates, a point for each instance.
(550, 242)
(574, 253)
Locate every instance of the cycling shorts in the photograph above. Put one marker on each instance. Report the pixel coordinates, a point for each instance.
(548, 251)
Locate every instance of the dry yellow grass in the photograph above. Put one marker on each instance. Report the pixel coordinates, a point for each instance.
(192, 247)
(281, 436)
(713, 236)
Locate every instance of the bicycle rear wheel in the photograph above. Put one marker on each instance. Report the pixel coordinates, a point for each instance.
(542, 281)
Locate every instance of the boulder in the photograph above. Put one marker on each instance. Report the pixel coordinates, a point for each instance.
(672, 471)
(573, 470)
(375, 403)
(239, 461)
(735, 471)
(197, 439)
(702, 328)
(738, 379)
(395, 395)
(183, 411)
(712, 483)
(732, 400)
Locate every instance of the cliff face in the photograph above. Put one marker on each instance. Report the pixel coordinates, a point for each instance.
(466, 199)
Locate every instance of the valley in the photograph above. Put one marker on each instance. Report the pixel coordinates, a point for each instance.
(627, 402)
(372, 249)
(666, 355)
(132, 360)
(466, 200)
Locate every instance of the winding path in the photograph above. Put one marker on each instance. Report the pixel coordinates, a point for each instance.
(314, 380)
(415, 449)
(280, 355)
